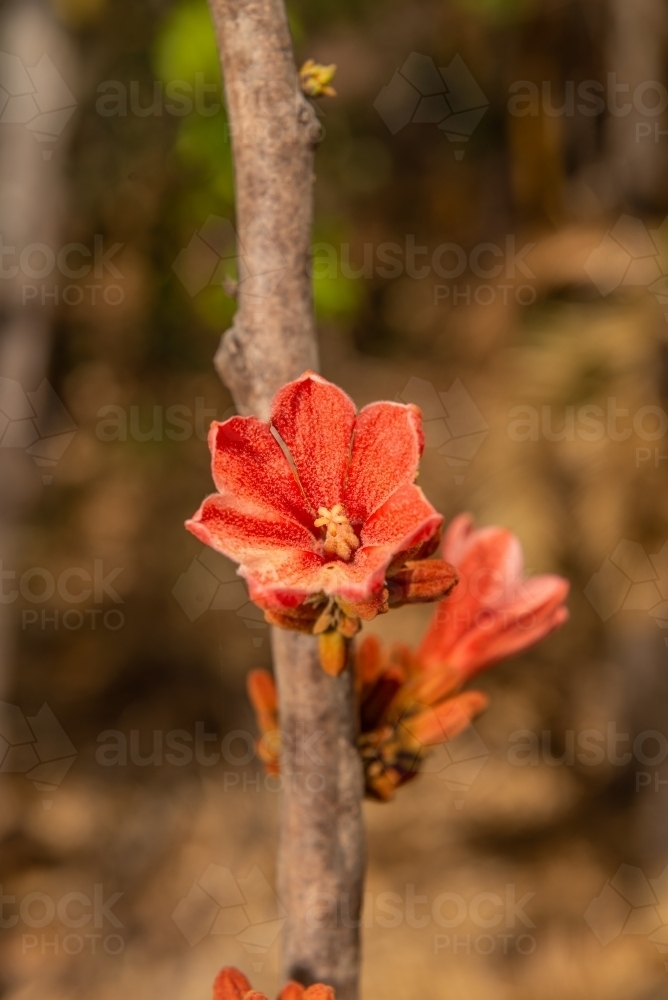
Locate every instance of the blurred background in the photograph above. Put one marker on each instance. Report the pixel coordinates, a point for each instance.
(491, 243)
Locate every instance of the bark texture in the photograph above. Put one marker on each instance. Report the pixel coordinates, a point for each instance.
(321, 849)
(274, 131)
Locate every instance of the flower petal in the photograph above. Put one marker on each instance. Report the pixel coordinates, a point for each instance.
(387, 445)
(230, 984)
(292, 991)
(456, 537)
(492, 562)
(315, 420)
(242, 532)
(405, 520)
(261, 690)
(248, 463)
(479, 649)
(489, 563)
(276, 555)
(444, 721)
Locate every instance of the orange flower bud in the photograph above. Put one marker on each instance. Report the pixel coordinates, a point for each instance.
(422, 581)
(333, 650)
(262, 693)
(443, 722)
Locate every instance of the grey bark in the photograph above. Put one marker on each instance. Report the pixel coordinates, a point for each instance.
(272, 341)
(321, 849)
(273, 130)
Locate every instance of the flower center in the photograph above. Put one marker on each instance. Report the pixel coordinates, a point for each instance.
(340, 539)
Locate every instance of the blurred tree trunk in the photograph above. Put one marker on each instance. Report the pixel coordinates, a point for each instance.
(31, 211)
(636, 42)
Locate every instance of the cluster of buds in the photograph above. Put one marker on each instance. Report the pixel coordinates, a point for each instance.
(412, 700)
(230, 984)
(315, 79)
(404, 712)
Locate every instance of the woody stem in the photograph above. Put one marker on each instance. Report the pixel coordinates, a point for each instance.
(271, 342)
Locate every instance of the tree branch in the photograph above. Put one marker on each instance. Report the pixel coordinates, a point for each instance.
(274, 131)
(272, 341)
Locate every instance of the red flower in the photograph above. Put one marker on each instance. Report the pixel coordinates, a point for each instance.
(495, 611)
(230, 984)
(319, 507)
(411, 701)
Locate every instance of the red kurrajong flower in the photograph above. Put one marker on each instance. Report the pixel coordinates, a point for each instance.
(410, 701)
(230, 984)
(319, 503)
(495, 611)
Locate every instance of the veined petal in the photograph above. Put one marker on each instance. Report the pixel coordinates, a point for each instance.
(276, 555)
(387, 445)
(406, 519)
(315, 419)
(243, 532)
(248, 463)
(479, 649)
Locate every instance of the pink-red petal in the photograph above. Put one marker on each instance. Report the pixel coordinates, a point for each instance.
(315, 419)
(387, 445)
(479, 650)
(405, 520)
(248, 464)
(456, 537)
(240, 532)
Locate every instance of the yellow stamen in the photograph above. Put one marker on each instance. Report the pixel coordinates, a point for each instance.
(340, 539)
